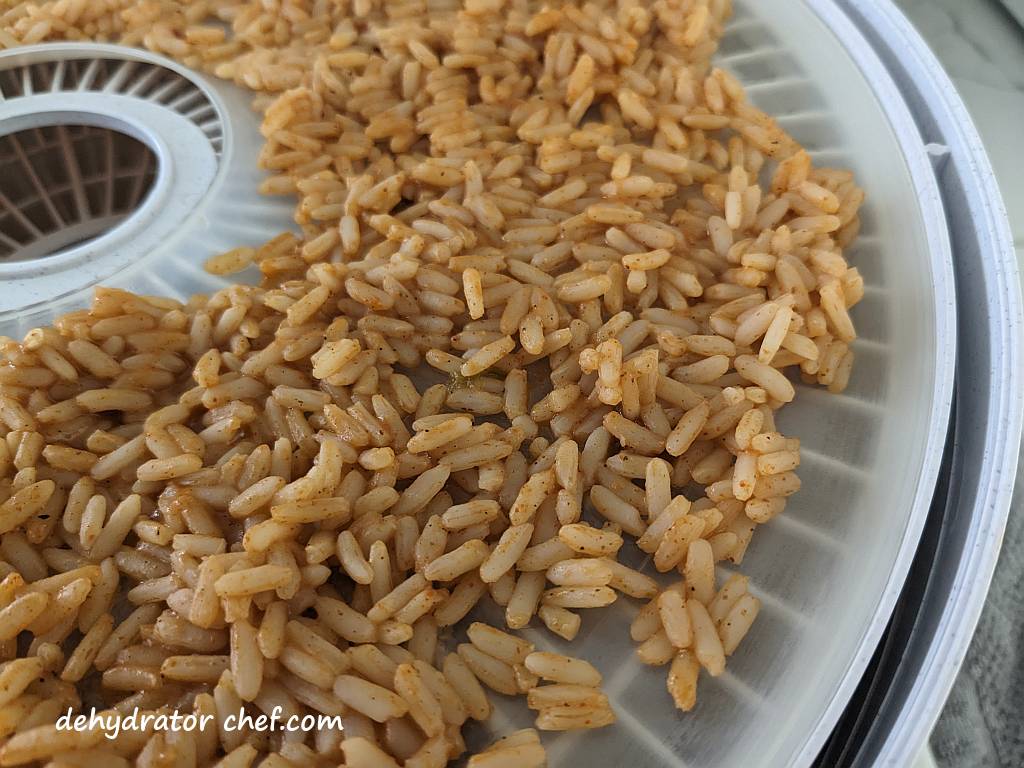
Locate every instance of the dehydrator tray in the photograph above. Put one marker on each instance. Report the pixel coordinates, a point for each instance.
(829, 571)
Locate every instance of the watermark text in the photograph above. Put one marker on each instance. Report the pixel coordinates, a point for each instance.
(113, 724)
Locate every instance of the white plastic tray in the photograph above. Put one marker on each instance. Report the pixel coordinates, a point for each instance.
(828, 571)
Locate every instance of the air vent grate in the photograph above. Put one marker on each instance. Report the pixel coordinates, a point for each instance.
(143, 80)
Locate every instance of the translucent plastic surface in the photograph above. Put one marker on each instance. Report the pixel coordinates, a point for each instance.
(829, 568)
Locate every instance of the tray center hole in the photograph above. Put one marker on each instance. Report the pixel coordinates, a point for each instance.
(64, 185)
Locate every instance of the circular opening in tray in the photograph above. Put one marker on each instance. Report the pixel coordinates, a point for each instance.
(64, 185)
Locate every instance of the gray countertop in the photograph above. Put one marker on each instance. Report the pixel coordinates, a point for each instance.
(981, 45)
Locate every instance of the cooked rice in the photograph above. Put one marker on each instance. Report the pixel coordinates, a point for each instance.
(544, 253)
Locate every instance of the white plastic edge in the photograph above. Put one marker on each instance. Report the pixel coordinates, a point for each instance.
(990, 510)
(923, 175)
